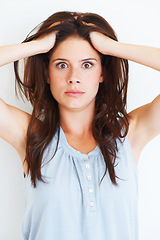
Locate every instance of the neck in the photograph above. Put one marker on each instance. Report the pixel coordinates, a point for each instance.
(78, 123)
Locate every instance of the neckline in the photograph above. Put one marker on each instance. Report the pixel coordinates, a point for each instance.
(75, 152)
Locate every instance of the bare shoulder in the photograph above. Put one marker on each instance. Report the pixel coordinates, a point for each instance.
(13, 127)
(144, 125)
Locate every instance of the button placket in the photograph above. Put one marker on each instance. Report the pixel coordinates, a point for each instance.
(89, 183)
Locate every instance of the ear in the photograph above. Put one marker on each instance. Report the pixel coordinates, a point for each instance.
(48, 80)
(46, 72)
(101, 79)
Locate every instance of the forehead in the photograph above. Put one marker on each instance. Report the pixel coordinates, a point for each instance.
(75, 47)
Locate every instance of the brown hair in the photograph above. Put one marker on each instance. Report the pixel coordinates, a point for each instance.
(110, 113)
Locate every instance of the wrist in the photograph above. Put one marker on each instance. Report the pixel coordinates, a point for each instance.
(114, 48)
(35, 47)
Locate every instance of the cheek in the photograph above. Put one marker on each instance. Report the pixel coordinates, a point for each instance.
(57, 86)
(92, 88)
(54, 80)
(93, 80)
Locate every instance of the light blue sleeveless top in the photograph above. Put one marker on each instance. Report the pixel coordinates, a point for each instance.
(71, 205)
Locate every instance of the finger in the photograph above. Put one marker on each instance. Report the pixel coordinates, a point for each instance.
(102, 43)
(98, 41)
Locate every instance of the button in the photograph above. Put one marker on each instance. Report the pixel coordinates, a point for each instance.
(85, 158)
(90, 190)
(91, 204)
(87, 165)
(89, 177)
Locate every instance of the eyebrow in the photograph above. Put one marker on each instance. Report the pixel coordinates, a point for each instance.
(63, 59)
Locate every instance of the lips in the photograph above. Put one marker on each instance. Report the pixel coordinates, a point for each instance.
(74, 93)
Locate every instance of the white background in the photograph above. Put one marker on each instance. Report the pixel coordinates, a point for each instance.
(135, 22)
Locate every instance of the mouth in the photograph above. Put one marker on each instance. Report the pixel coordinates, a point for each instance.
(74, 93)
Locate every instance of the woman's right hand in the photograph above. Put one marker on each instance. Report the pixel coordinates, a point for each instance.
(47, 41)
(12, 53)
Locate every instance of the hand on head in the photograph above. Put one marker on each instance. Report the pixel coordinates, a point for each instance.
(47, 41)
(102, 43)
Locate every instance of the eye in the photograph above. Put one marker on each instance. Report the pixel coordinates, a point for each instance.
(87, 65)
(61, 65)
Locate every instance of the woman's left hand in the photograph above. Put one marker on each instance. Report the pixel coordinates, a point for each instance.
(148, 56)
(102, 43)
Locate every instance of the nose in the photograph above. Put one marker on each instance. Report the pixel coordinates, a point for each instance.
(73, 81)
(73, 77)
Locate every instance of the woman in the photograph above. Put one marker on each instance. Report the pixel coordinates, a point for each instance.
(79, 148)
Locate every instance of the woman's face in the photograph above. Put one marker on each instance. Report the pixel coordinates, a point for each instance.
(74, 74)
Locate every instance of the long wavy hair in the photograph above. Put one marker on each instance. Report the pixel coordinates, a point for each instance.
(110, 113)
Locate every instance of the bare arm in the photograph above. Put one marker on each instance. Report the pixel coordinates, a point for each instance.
(145, 121)
(13, 121)
(148, 56)
(13, 128)
(15, 52)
